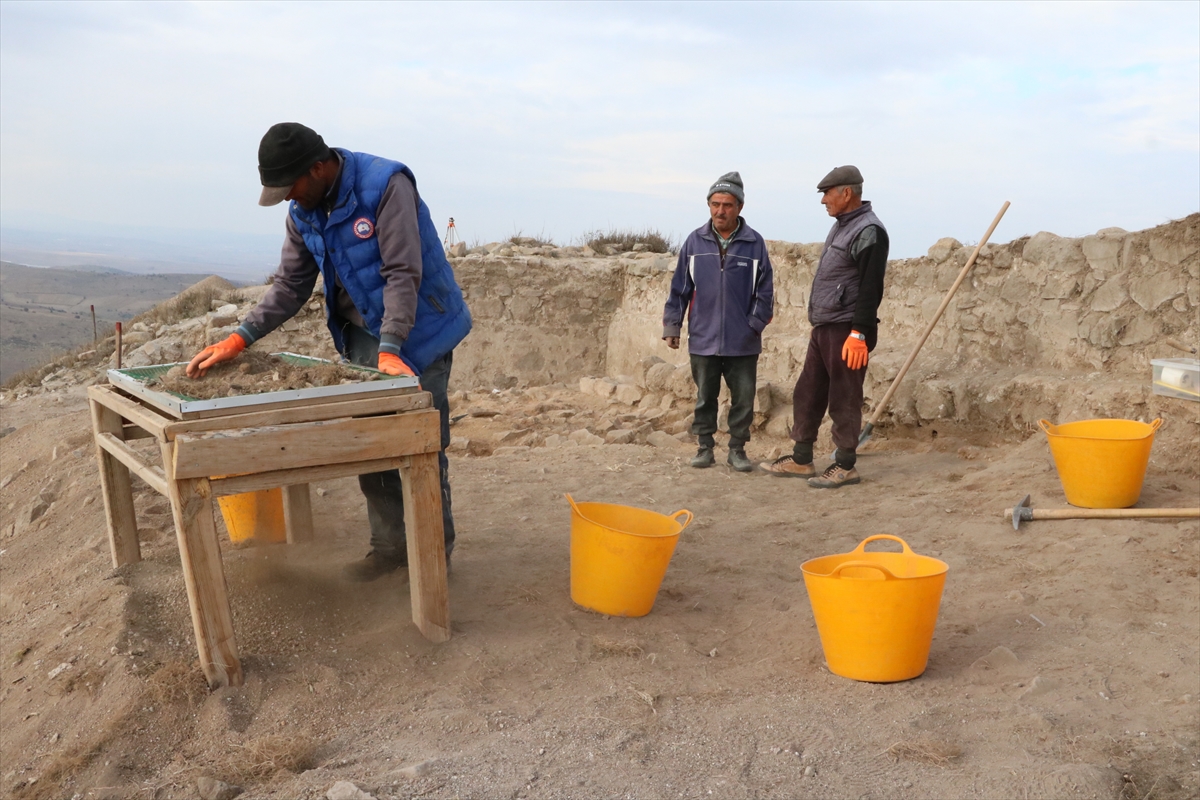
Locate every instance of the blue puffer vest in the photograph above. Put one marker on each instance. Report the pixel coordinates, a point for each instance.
(346, 243)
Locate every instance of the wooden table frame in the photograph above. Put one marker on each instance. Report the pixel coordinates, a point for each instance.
(261, 449)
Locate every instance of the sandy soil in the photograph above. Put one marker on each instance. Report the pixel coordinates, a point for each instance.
(1066, 661)
(255, 372)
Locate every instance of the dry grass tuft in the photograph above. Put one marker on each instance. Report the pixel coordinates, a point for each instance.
(541, 240)
(611, 647)
(925, 751)
(622, 241)
(262, 758)
(177, 682)
(194, 301)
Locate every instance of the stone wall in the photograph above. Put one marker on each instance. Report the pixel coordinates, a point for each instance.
(1044, 326)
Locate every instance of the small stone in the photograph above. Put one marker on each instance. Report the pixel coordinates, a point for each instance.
(322, 491)
(619, 437)
(418, 769)
(810, 771)
(59, 670)
(999, 658)
(1038, 686)
(6, 431)
(628, 394)
(587, 385)
(584, 437)
(345, 790)
(213, 789)
(664, 440)
(459, 443)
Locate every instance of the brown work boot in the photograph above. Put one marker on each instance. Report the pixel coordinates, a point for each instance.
(786, 467)
(834, 477)
(373, 567)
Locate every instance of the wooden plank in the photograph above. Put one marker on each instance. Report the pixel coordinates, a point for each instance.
(152, 475)
(236, 484)
(134, 432)
(204, 576)
(117, 489)
(297, 513)
(311, 413)
(422, 489)
(249, 450)
(144, 418)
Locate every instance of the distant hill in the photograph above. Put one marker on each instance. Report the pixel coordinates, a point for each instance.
(44, 310)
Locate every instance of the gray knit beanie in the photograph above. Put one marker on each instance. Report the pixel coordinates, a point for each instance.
(729, 183)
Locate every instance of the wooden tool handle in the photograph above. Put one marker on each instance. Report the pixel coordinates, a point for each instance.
(941, 309)
(1111, 513)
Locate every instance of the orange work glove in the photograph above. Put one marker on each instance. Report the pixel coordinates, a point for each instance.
(214, 354)
(854, 351)
(394, 365)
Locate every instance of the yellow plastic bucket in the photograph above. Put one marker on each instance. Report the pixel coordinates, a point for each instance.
(254, 517)
(619, 556)
(1101, 462)
(875, 612)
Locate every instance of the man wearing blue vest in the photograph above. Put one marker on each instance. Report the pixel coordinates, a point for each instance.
(391, 300)
(846, 292)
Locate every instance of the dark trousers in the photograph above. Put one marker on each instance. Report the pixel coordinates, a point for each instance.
(741, 376)
(385, 502)
(827, 383)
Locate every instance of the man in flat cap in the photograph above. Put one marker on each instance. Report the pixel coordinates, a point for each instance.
(845, 295)
(391, 300)
(724, 286)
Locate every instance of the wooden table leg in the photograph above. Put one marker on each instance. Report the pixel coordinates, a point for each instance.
(117, 489)
(297, 513)
(204, 575)
(426, 547)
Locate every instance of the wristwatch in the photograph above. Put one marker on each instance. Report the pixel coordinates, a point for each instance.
(859, 336)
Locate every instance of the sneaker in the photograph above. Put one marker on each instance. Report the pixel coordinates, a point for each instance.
(786, 467)
(737, 459)
(834, 477)
(703, 458)
(373, 567)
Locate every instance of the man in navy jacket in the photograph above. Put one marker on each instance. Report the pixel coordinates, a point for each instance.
(391, 300)
(724, 285)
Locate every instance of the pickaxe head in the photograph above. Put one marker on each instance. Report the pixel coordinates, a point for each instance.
(1021, 512)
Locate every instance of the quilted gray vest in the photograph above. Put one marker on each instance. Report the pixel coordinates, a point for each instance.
(835, 286)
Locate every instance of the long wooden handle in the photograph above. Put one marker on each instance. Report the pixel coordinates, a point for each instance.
(941, 309)
(1110, 513)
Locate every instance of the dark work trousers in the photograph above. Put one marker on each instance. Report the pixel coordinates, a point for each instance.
(741, 376)
(827, 383)
(385, 503)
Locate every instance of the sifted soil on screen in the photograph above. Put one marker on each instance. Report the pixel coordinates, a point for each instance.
(256, 373)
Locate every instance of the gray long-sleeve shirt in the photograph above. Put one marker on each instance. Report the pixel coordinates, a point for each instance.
(400, 257)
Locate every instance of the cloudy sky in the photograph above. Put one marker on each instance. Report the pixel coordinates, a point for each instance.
(556, 119)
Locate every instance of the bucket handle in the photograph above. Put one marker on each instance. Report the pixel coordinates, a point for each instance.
(571, 500)
(1047, 427)
(686, 522)
(862, 545)
(887, 573)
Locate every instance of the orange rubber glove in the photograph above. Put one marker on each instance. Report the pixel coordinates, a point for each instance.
(214, 354)
(854, 352)
(394, 365)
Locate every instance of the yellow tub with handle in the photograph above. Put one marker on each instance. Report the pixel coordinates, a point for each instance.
(876, 612)
(620, 555)
(1101, 462)
(254, 517)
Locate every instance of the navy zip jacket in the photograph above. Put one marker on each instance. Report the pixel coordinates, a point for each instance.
(728, 298)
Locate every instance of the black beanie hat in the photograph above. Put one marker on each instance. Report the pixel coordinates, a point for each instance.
(285, 153)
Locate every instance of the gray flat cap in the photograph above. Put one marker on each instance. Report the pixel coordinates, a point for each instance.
(729, 183)
(842, 176)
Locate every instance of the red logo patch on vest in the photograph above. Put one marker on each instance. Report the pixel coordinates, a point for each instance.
(364, 228)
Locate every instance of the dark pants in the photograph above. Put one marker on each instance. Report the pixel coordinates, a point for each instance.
(827, 383)
(741, 376)
(385, 503)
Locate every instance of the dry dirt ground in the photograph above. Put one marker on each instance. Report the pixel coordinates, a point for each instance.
(1066, 662)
